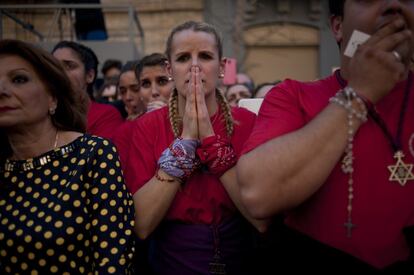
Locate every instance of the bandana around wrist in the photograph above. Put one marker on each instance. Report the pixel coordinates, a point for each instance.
(217, 154)
(179, 160)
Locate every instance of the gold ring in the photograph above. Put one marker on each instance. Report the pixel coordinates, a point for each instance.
(397, 55)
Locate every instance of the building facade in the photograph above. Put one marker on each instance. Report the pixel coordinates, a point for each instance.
(271, 39)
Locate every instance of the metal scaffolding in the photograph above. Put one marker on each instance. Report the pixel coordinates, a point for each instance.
(66, 12)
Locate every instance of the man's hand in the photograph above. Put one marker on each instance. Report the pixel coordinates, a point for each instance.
(374, 69)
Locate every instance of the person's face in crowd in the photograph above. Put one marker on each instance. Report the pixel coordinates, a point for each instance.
(129, 91)
(24, 99)
(370, 16)
(155, 83)
(235, 93)
(190, 48)
(261, 93)
(75, 69)
(112, 73)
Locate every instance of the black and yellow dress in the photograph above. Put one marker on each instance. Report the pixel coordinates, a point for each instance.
(66, 212)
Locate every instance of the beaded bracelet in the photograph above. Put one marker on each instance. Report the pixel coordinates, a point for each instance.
(158, 177)
(349, 94)
(368, 103)
(348, 160)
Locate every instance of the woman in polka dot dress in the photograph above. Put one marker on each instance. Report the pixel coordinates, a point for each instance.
(64, 208)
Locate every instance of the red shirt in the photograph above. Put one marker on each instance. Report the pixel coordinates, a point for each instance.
(203, 199)
(103, 120)
(381, 208)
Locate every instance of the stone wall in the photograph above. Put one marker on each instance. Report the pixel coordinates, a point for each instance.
(157, 18)
(253, 32)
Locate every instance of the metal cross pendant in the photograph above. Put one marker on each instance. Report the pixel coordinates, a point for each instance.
(349, 226)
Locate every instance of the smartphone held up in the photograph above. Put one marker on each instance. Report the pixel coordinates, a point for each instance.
(230, 71)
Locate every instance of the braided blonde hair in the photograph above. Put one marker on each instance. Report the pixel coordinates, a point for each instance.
(228, 119)
(175, 119)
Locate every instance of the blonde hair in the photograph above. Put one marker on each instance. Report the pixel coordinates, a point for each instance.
(196, 27)
(228, 119)
(175, 119)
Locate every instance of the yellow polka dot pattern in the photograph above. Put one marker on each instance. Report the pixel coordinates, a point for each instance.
(70, 216)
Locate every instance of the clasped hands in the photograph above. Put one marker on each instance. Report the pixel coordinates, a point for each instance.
(198, 141)
(196, 119)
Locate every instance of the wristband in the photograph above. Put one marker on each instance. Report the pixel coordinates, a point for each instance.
(217, 154)
(179, 160)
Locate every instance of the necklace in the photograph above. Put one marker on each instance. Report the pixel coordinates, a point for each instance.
(400, 171)
(410, 144)
(31, 163)
(56, 139)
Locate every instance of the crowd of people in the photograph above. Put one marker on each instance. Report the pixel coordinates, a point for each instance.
(159, 171)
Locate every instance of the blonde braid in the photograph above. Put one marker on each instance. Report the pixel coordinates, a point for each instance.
(226, 111)
(173, 113)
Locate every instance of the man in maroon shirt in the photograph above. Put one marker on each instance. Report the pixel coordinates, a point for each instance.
(335, 155)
